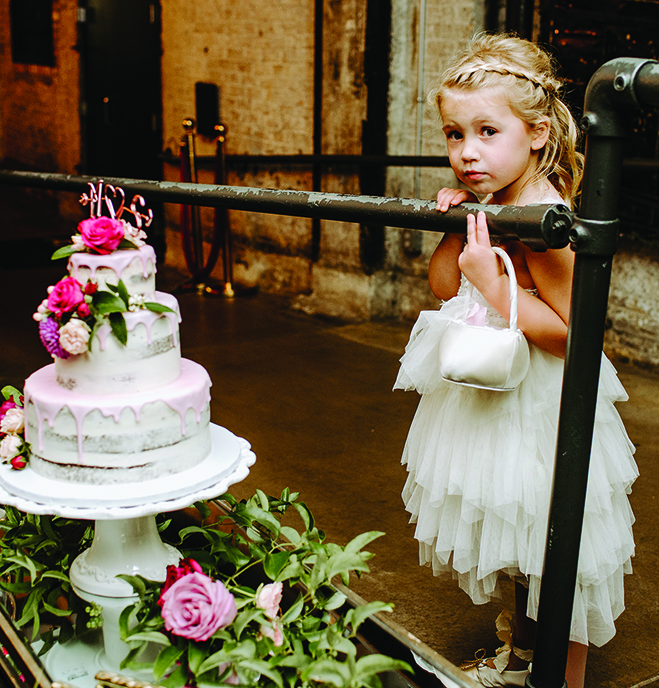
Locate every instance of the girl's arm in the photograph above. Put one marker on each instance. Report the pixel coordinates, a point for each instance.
(543, 320)
(443, 270)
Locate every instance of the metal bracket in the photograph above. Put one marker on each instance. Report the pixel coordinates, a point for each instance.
(610, 92)
(594, 237)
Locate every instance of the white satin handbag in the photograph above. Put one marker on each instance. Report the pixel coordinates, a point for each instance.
(482, 356)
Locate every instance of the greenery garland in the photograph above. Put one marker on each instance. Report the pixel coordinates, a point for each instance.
(276, 619)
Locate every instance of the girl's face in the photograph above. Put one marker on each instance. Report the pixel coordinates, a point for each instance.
(490, 149)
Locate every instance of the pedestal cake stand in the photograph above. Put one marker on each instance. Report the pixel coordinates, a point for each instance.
(126, 540)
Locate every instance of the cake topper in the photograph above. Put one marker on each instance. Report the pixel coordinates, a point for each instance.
(98, 195)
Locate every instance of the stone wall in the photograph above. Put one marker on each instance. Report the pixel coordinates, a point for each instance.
(39, 123)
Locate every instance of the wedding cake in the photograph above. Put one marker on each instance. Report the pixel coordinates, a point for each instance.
(118, 404)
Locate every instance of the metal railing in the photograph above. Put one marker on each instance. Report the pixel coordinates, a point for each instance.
(617, 89)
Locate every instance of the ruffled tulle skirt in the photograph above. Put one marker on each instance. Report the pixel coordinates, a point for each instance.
(480, 469)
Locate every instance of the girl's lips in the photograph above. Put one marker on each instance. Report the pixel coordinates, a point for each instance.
(474, 175)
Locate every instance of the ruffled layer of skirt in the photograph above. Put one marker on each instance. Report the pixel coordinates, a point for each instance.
(480, 469)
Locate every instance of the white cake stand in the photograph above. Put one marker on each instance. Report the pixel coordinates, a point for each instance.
(126, 539)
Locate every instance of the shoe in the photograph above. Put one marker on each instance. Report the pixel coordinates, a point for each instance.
(488, 676)
(480, 670)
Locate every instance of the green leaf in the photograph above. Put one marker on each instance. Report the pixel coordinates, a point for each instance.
(328, 671)
(15, 394)
(214, 661)
(196, 656)
(335, 601)
(357, 543)
(65, 252)
(55, 574)
(343, 562)
(56, 610)
(166, 659)
(274, 562)
(261, 667)
(293, 612)
(123, 293)
(355, 617)
(370, 665)
(118, 325)
(290, 534)
(158, 307)
(177, 679)
(136, 581)
(105, 302)
(149, 637)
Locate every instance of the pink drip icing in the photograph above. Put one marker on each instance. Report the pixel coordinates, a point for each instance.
(117, 261)
(190, 390)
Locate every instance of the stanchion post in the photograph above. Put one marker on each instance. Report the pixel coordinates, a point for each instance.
(594, 235)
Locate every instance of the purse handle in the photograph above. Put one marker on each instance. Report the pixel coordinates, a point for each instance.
(512, 287)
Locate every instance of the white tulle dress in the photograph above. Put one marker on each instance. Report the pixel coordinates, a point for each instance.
(480, 471)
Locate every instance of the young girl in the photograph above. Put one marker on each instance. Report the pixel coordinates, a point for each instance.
(480, 462)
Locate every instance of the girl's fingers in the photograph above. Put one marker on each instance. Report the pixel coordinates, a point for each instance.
(482, 232)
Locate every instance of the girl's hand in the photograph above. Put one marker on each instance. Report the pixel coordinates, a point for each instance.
(478, 261)
(449, 197)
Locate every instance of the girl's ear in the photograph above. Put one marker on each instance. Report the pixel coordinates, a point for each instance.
(540, 133)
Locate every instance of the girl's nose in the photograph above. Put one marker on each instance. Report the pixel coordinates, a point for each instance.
(469, 149)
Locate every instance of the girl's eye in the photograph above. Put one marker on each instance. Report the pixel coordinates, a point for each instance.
(489, 131)
(453, 136)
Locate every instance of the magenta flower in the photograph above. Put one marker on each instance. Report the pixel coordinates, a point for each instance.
(65, 296)
(49, 335)
(101, 234)
(196, 606)
(6, 406)
(18, 463)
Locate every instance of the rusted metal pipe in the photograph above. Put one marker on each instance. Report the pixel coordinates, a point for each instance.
(538, 226)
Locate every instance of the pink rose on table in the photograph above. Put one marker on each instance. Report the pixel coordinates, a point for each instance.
(74, 336)
(101, 234)
(269, 599)
(10, 446)
(65, 296)
(195, 606)
(13, 420)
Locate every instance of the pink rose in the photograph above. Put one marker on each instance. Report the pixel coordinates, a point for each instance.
(269, 599)
(10, 446)
(74, 336)
(101, 234)
(83, 310)
(196, 606)
(18, 463)
(174, 573)
(274, 632)
(65, 296)
(13, 421)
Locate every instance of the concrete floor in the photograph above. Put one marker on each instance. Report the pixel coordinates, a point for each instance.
(314, 399)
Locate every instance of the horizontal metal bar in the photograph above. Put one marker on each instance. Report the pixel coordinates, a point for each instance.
(538, 226)
(326, 160)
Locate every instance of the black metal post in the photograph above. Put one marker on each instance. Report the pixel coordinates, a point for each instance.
(538, 226)
(610, 95)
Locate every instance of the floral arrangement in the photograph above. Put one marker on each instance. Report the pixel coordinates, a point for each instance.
(13, 447)
(250, 603)
(72, 312)
(102, 235)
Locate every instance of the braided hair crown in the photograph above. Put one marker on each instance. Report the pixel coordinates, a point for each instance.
(528, 77)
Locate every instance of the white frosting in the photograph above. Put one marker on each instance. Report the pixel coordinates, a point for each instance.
(135, 267)
(115, 432)
(151, 357)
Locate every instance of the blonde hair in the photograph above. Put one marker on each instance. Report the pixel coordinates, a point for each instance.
(528, 75)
